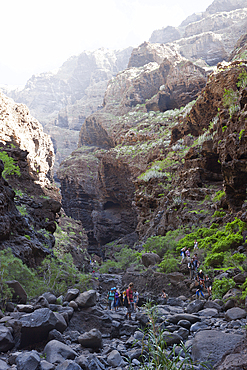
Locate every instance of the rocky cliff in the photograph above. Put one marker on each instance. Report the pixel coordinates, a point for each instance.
(105, 193)
(61, 100)
(30, 204)
(210, 35)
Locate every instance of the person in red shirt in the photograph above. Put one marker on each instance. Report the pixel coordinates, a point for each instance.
(129, 294)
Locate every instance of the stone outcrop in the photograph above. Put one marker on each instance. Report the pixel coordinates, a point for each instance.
(106, 191)
(210, 35)
(61, 100)
(34, 203)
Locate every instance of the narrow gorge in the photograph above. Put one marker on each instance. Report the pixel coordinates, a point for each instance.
(133, 157)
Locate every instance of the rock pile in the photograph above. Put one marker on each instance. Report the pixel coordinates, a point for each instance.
(82, 334)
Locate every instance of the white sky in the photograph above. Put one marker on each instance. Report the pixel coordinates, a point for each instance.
(39, 35)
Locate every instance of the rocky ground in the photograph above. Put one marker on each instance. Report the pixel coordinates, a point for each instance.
(77, 331)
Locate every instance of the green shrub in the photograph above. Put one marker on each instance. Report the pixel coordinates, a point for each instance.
(214, 259)
(154, 348)
(123, 259)
(221, 287)
(10, 166)
(219, 214)
(220, 194)
(168, 264)
(162, 244)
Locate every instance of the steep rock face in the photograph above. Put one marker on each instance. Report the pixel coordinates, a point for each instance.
(19, 127)
(210, 35)
(167, 34)
(28, 212)
(106, 191)
(225, 6)
(228, 115)
(101, 199)
(147, 53)
(62, 100)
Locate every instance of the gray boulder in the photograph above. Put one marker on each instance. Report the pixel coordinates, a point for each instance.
(91, 339)
(61, 324)
(87, 299)
(51, 298)
(28, 361)
(183, 316)
(71, 295)
(68, 365)
(37, 325)
(194, 306)
(6, 339)
(150, 259)
(184, 324)
(210, 345)
(27, 308)
(3, 365)
(57, 352)
(41, 302)
(114, 359)
(212, 304)
(198, 326)
(19, 293)
(235, 313)
(83, 362)
(45, 365)
(172, 338)
(208, 312)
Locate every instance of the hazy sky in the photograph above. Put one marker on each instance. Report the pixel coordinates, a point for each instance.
(38, 36)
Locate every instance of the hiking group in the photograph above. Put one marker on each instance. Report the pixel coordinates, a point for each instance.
(201, 281)
(127, 299)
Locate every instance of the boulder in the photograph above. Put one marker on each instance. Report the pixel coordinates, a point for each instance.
(87, 299)
(41, 302)
(114, 358)
(37, 325)
(61, 324)
(27, 308)
(3, 365)
(6, 339)
(68, 365)
(83, 362)
(57, 352)
(172, 338)
(195, 306)
(91, 339)
(232, 293)
(19, 293)
(55, 334)
(183, 316)
(210, 345)
(184, 324)
(229, 304)
(208, 312)
(51, 298)
(235, 313)
(239, 278)
(28, 361)
(71, 295)
(150, 259)
(212, 304)
(45, 365)
(198, 326)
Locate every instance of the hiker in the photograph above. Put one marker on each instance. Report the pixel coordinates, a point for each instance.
(200, 289)
(187, 253)
(195, 245)
(191, 268)
(183, 253)
(208, 284)
(201, 276)
(195, 262)
(110, 297)
(163, 296)
(116, 299)
(129, 296)
(135, 299)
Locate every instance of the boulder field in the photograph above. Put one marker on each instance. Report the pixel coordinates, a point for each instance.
(81, 333)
